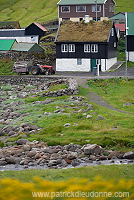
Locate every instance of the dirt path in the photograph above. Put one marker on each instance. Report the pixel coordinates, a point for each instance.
(97, 99)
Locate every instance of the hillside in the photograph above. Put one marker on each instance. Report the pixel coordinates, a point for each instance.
(27, 11)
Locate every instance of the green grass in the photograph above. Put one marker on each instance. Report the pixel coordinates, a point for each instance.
(28, 11)
(114, 132)
(6, 67)
(116, 92)
(111, 172)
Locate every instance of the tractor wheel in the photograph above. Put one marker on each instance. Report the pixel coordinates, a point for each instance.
(48, 72)
(35, 70)
(53, 72)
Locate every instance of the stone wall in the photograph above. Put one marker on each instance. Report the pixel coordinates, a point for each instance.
(36, 58)
(44, 82)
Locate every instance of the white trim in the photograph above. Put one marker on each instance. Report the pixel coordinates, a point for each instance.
(64, 48)
(71, 48)
(103, 10)
(81, 11)
(87, 48)
(65, 11)
(95, 48)
(97, 10)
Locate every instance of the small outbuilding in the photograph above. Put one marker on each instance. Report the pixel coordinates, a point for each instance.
(27, 47)
(7, 45)
(35, 29)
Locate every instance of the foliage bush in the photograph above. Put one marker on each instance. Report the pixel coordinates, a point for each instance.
(74, 189)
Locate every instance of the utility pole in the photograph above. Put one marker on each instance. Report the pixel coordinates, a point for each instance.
(126, 30)
(96, 9)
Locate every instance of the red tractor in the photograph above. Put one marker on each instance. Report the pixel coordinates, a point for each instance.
(26, 67)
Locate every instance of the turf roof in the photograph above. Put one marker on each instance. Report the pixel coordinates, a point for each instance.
(81, 32)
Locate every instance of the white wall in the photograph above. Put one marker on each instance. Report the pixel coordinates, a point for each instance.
(130, 56)
(26, 39)
(108, 62)
(71, 65)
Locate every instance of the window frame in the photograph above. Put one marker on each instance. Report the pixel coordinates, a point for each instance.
(71, 47)
(94, 48)
(94, 10)
(112, 32)
(87, 48)
(111, 8)
(65, 11)
(80, 11)
(79, 61)
(64, 48)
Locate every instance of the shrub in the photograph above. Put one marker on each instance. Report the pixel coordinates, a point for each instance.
(73, 189)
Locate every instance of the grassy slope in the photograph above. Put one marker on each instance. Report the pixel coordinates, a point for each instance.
(28, 11)
(110, 172)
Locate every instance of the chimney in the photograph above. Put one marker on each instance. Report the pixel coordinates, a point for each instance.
(87, 18)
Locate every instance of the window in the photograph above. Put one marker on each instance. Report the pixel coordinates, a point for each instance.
(79, 61)
(114, 44)
(94, 48)
(94, 8)
(71, 47)
(80, 8)
(81, 18)
(112, 31)
(65, 19)
(94, 18)
(86, 47)
(65, 9)
(111, 8)
(64, 48)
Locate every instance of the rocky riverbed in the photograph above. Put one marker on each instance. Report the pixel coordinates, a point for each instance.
(36, 155)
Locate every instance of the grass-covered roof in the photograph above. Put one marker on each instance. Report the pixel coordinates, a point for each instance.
(84, 32)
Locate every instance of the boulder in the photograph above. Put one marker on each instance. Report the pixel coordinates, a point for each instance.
(129, 155)
(92, 149)
(22, 141)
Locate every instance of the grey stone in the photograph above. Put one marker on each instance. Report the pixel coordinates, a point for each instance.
(129, 155)
(100, 117)
(92, 149)
(22, 141)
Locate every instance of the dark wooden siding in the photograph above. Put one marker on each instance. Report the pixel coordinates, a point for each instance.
(130, 43)
(34, 30)
(79, 51)
(107, 12)
(73, 12)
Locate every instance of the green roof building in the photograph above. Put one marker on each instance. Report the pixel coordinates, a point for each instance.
(130, 36)
(28, 47)
(7, 45)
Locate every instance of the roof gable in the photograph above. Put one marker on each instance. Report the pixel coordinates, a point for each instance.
(119, 15)
(79, 32)
(27, 47)
(38, 25)
(130, 23)
(6, 45)
(76, 2)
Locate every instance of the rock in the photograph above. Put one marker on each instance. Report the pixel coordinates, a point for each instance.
(52, 163)
(26, 147)
(88, 116)
(127, 104)
(129, 155)
(22, 141)
(31, 153)
(100, 117)
(93, 149)
(10, 160)
(11, 133)
(2, 162)
(67, 124)
(114, 154)
(38, 155)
